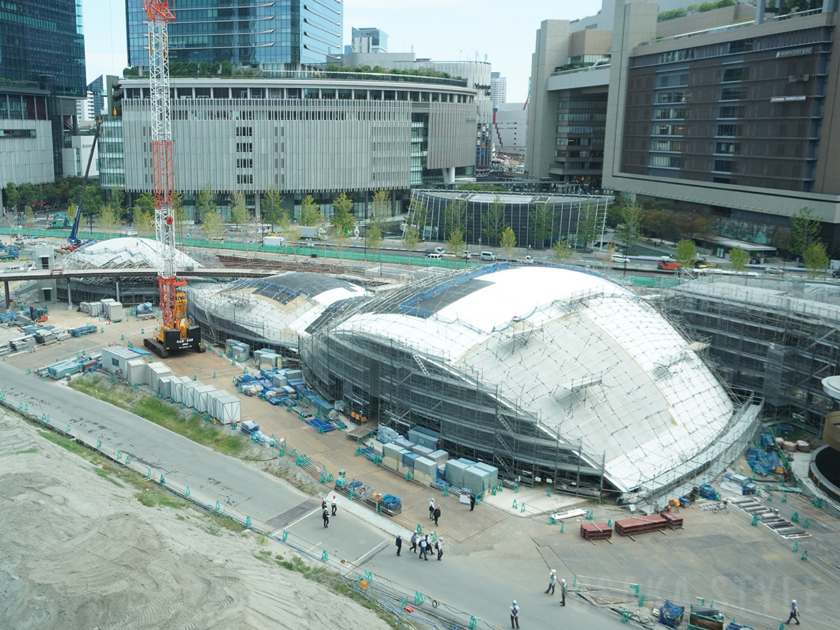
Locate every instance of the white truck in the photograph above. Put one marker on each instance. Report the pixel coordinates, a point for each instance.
(274, 241)
(312, 232)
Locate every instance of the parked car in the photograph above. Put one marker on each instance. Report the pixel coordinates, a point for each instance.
(667, 266)
(774, 271)
(466, 255)
(703, 264)
(527, 259)
(489, 256)
(618, 259)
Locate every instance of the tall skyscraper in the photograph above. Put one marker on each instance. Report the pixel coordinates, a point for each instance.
(498, 89)
(42, 43)
(288, 35)
(369, 40)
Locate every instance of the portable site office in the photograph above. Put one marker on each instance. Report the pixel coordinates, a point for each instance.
(114, 359)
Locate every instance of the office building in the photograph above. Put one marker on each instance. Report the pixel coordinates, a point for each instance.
(43, 53)
(369, 40)
(26, 154)
(475, 73)
(289, 35)
(498, 89)
(321, 133)
(510, 128)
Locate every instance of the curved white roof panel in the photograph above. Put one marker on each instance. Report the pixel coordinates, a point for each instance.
(589, 358)
(122, 253)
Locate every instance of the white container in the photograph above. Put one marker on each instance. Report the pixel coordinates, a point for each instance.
(188, 394)
(199, 399)
(177, 392)
(208, 400)
(227, 409)
(136, 371)
(165, 386)
(155, 372)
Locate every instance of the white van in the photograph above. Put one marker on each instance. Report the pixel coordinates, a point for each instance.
(488, 256)
(433, 255)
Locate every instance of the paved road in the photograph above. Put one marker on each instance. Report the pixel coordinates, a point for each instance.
(482, 584)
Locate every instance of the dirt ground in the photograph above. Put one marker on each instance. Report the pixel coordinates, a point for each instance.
(82, 552)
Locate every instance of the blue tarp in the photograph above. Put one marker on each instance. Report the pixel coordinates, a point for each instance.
(671, 615)
(767, 438)
(762, 463)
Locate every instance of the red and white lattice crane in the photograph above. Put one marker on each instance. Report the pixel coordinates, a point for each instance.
(176, 333)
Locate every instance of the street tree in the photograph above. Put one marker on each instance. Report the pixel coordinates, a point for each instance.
(805, 232)
(143, 221)
(561, 251)
(179, 215)
(494, 220)
(29, 219)
(455, 218)
(12, 196)
(629, 231)
(310, 213)
(107, 220)
(273, 206)
(608, 255)
(205, 202)
(29, 194)
(146, 202)
(380, 209)
(589, 220)
(455, 243)
(815, 259)
(212, 226)
(239, 214)
(118, 200)
(739, 259)
(373, 240)
(507, 242)
(686, 253)
(410, 239)
(342, 220)
(542, 217)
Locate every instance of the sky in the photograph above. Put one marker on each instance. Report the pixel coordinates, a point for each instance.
(445, 30)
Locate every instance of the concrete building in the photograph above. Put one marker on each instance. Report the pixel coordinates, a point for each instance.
(26, 154)
(369, 40)
(99, 101)
(320, 134)
(510, 128)
(289, 35)
(75, 156)
(476, 73)
(498, 89)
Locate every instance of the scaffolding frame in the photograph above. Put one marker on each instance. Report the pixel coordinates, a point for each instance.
(779, 338)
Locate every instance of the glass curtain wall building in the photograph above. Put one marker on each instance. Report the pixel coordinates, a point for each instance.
(282, 35)
(42, 46)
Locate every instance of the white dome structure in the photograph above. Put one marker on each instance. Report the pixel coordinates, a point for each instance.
(272, 311)
(123, 253)
(542, 371)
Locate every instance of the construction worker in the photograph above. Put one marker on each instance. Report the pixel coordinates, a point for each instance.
(563, 592)
(472, 502)
(552, 581)
(440, 548)
(514, 615)
(428, 542)
(399, 544)
(431, 509)
(423, 549)
(324, 504)
(334, 503)
(436, 514)
(794, 612)
(326, 517)
(413, 542)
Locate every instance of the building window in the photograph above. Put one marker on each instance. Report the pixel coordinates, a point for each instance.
(731, 111)
(244, 131)
(727, 147)
(17, 133)
(735, 74)
(744, 45)
(669, 130)
(732, 94)
(667, 145)
(668, 161)
(724, 166)
(671, 97)
(115, 362)
(244, 179)
(244, 147)
(668, 113)
(677, 55)
(729, 130)
(245, 163)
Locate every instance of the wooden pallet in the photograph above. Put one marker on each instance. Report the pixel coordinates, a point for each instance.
(595, 531)
(640, 525)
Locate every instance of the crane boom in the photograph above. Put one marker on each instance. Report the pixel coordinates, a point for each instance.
(176, 332)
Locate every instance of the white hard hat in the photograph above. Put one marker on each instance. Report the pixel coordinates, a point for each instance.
(562, 581)
(514, 601)
(554, 570)
(793, 601)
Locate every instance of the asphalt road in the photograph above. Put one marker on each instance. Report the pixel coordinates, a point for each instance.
(482, 585)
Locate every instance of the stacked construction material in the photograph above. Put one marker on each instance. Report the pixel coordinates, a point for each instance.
(425, 470)
(137, 371)
(439, 457)
(408, 459)
(65, 368)
(595, 531)
(22, 343)
(455, 470)
(392, 456)
(739, 484)
(640, 525)
(674, 521)
(671, 615)
(320, 425)
(81, 331)
(404, 443)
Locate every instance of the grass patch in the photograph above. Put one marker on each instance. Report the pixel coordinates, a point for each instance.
(28, 450)
(180, 518)
(106, 475)
(156, 497)
(163, 414)
(290, 475)
(260, 558)
(66, 443)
